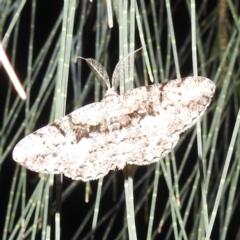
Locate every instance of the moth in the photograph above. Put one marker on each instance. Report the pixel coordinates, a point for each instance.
(138, 127)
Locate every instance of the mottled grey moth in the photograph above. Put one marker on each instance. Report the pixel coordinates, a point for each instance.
(138, 127)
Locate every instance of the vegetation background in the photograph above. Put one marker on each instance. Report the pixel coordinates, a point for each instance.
(191, 194)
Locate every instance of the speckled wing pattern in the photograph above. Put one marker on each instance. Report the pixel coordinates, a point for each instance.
(138, 127)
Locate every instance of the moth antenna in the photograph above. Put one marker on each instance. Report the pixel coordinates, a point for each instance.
(121, 67)
(99, 71)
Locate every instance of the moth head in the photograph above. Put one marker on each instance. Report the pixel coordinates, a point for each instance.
(111, 92)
